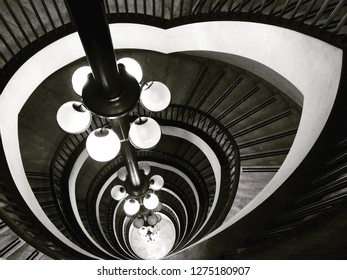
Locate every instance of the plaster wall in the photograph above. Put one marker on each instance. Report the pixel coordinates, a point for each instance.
(311, 66)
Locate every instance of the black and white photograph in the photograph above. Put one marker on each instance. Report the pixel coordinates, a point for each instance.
(173, 138)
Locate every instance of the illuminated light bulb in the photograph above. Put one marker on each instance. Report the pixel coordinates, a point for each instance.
(155, 96)
(118, 192)
(143, 231)
(73, 117)
(103, 144)
(151, 201)
(156, 182)
(144, 133)
(132, 67)
(131, 206)
(79, 78)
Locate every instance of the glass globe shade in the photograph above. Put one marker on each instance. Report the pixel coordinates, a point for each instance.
(151, 201)
(79, 78)
(103, 144)
(159, 217)
(118, 192)
(155, 229)
(122, 174)
(158, 208)
(143, 231)
(138, 222)
(156, 182)
(152, 220)
(132, 67)
(155, 96)
(73, 117)
(144, 133)
(131, 206)
(145, 167)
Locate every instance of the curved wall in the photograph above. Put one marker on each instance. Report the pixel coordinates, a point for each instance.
(312, 67)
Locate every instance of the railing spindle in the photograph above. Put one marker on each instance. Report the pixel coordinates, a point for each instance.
(340, 24)
(8, 47)
(126, 7)
(320, 12)
(107, 7)
(38, 17)
(333, 14)
(20, 27)
(48, 14)
(25, 14)
(58, 12)
(9, 30)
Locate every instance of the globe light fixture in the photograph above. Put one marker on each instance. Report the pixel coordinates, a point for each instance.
(155, 96)
(143, 231)
(118, 192)
(79, 78)
(122, 174)
(158, 208)
(138, 222)
(145, 167)
(156, 182)
(131, 206)
(144, 133)
(151, 201)
(132, 67)
(73, 117)
(103, 144)
(152, 220)
(159, 217)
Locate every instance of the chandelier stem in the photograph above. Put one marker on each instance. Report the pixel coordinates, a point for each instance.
(90, 20)
(121, 126)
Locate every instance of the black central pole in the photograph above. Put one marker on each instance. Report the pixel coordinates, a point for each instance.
(110, 92)
(121, 126)
(90, 20)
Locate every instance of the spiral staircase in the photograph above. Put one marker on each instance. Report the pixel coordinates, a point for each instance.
(244, 121)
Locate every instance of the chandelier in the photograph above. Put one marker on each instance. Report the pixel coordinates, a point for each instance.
(111, 89)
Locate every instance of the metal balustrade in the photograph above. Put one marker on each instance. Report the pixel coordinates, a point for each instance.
(22, 23)
(325, 192)
(17, 215)
(198, 121)
(194, 120)
(114, 165)
(38, 23)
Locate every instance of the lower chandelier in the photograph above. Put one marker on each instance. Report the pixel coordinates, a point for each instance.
(143, 208)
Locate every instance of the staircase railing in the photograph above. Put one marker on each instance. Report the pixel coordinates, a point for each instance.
(16, 214)
(195, 121)
(222, 143)
(187, 197)
(26, 25)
